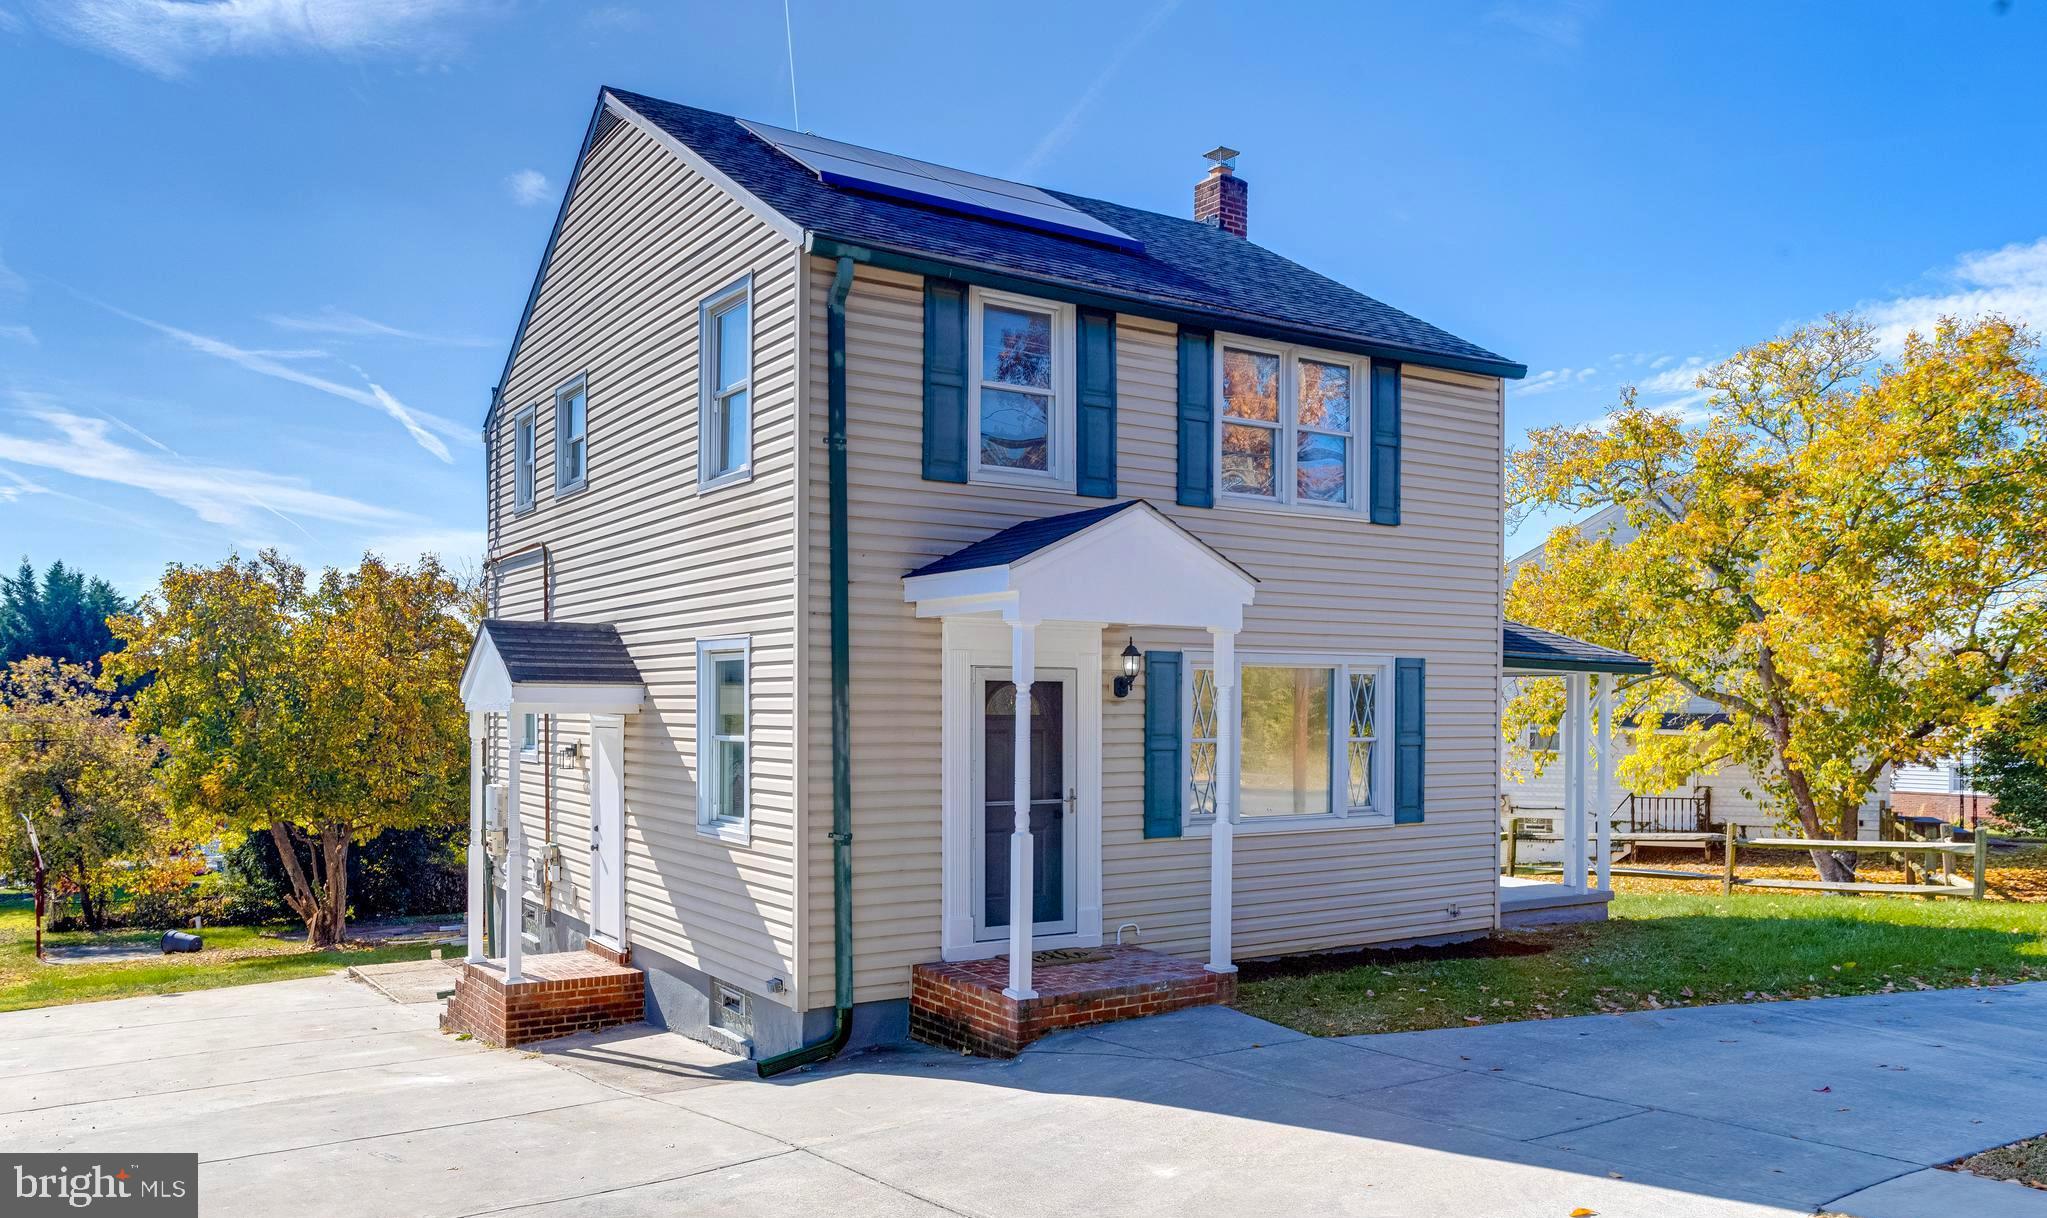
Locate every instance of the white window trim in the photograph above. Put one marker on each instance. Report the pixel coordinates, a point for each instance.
(1286, 500)
(1341, 815)
(740, 830)
(1060, 420)
(529, 748)
(707, 389)
(526, 425)
(564, 487)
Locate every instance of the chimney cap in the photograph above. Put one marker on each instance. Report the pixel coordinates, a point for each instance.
(1223, 155)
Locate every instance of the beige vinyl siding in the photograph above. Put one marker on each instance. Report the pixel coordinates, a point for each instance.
(1428, 588)
(646, 240)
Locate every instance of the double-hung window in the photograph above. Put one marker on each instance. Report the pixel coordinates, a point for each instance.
(725, 416)
(571, 437)
(1313, 740)
(522, 460)
(724, 723)
(1020, 387)
(1288, 432)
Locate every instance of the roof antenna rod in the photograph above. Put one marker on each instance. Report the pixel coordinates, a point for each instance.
(789, 30)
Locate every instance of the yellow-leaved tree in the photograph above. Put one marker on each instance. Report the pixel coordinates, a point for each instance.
(1847, 556)
(71, 773)
(320, 715)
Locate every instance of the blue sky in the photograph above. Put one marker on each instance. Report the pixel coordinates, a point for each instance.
(259, 259)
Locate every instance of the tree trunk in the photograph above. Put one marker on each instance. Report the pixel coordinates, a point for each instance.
(307, 898)
(88, 908)
(334, 846)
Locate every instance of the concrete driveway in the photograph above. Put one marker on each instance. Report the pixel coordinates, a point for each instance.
(324, 1097)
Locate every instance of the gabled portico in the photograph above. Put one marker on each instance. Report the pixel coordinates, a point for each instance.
(1024, 611)
(518, 669)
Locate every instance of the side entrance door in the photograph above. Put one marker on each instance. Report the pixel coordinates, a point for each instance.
(607, 829)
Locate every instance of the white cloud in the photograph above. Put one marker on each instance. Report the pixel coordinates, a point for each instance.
(218, 494)
(1560, 23)
(1063, 130)
(1553, 379)
(528, 187)
(352, 325)
(415, 422)
(19, 334)
(168, 36)
(2011, 281)
(452, 546)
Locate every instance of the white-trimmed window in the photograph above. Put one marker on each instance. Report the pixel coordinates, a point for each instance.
(1020, 388)
(1539, 739)
(724, 726)
(571, 437)
(529, 734)
(522, 459)
(1314, 738)
(1289, 427)
(725, 411)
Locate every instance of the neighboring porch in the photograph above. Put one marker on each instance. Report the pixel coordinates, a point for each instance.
(504, 994)
(1023, 614)
(1584, 825)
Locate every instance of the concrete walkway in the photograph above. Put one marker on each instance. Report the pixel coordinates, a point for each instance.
(325, 1092)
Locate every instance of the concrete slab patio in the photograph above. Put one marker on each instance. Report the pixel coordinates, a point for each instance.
(327, 1092)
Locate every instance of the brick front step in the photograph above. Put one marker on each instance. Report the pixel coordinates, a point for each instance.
(961, 1005)
(560, 993)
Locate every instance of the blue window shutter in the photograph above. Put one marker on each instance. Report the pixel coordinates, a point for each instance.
(1197, 418)
(945, 381)
(1410, 712)
(1386, 444)
(1096, 377)
(1162, 744)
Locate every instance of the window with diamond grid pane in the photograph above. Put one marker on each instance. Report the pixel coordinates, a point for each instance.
(1364, 696)
(1201, 745)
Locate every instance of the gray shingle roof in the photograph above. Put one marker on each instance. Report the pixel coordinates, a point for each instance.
(1530, 647)
(577, 653)
(1184, 265)
(1020, 540)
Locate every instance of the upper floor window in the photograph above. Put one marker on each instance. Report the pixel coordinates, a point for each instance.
(1312, 742)
(725, 420)
(571, 437)
(1288, 431)
(1020, 388)
(522, 460)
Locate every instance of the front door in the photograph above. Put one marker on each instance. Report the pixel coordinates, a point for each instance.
(607, 830)
(1054, 838)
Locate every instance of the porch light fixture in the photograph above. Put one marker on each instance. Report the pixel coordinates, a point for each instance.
(1132, 661)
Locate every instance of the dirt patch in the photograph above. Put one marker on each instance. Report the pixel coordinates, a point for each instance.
(2024, 1162)
(1492, 947)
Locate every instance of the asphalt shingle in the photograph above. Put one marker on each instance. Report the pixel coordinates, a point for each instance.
(1184, 264)
(581, 653)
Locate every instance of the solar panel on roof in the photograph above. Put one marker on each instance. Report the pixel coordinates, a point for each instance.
(855, 168)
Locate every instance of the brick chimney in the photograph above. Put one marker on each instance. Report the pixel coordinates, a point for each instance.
(1222, 198)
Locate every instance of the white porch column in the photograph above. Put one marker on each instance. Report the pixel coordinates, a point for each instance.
(1602, 796)
(477, 895)
(1228, 731)
(1574, 744)
(1023, 663)
(514, 925)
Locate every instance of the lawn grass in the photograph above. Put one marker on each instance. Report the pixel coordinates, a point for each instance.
(1662, 949)
(234, 955)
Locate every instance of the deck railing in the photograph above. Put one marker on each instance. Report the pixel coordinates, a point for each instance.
(1666, 813)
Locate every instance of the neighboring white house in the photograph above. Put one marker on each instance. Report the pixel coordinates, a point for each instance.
(807, 458)
(1709, 800)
